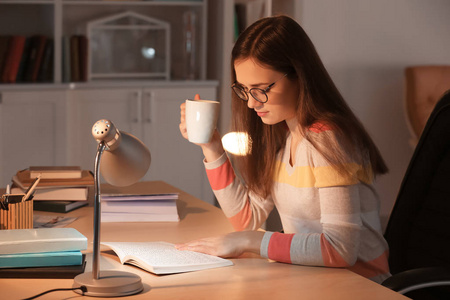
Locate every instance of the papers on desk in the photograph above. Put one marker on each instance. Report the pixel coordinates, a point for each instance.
(149, 202)
(164, 258)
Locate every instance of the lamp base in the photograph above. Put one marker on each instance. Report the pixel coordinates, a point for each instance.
(109, 284)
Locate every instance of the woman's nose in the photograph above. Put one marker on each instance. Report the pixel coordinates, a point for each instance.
(252, 103)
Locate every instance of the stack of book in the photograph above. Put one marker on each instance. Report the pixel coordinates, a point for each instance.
(142, 202)
(61, 188)
(42, 253)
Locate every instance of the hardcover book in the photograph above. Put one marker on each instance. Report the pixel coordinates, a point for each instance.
(55, 172)
(23, 180)
(12, 62)
(58, 206)
(41, 240)
(42, 259)
(57, 194)
(58, 272)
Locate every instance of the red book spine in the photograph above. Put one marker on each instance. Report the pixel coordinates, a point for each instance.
(18, 44)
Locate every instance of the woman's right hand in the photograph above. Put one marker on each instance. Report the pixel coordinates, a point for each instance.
(212, 150)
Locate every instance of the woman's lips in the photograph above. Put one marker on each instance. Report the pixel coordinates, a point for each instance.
(262, 113)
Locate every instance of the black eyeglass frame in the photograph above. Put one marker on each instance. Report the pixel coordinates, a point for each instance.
(263, 91)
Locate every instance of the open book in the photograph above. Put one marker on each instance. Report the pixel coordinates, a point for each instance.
(164, 258)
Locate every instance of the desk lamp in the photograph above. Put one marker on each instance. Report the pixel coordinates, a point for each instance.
(125, 160)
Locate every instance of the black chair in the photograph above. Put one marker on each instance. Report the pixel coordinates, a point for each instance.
(418, 231)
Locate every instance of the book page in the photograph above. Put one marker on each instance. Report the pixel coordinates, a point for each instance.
(164, 258)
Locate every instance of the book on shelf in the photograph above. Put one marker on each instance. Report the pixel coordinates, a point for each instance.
(4, 44)
(66, 72)
(83, 57)
(164, 258)
(41, 240)
(35, 57)
(45, 73)
(58, 272)
(40, 259)
(55, 172)
(58, 206)
(23, 180)
(74, 58)
(20, 77)
(12, 61)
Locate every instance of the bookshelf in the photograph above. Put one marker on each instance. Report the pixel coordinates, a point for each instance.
(56, 19)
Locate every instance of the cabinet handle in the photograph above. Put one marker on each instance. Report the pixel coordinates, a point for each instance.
(1, 98)
(147, 107)
(137, 99)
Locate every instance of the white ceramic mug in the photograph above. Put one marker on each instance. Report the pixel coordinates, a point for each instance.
(201, 120)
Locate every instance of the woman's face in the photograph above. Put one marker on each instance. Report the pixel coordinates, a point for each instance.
(282, 96)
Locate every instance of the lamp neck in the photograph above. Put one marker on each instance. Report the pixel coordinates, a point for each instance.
(97, 212)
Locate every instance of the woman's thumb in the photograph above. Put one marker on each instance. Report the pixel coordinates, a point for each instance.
(197, 97)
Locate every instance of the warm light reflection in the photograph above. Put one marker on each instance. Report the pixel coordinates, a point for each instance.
(236, 143)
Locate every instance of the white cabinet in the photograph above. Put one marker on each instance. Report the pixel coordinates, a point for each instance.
(152, 115)
(32, 130)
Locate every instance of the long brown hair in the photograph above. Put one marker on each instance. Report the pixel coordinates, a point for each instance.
(281, 44)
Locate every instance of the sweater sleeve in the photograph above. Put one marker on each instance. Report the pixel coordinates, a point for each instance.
(245, 210)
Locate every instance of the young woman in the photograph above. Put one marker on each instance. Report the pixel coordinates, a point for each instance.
(309, 156)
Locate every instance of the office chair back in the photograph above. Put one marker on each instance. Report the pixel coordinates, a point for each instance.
(418, 231)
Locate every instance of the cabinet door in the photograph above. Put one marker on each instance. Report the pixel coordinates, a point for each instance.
(32, 130)
(174, 159)
(88, 106)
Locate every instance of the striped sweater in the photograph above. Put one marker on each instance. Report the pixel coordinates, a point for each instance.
(328, 219)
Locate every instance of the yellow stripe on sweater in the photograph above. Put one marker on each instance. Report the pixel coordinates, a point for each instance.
(306, 176)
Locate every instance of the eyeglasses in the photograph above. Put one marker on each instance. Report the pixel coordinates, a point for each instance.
(258, 94)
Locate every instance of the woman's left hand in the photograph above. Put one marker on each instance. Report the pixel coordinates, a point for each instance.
(230, 245)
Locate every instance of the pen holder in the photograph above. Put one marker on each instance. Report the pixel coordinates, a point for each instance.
(15, 213)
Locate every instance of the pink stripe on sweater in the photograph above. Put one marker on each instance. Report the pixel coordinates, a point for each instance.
(331, 258)
(221, 177)
(280, 247)
(375, 267)
(241, 220)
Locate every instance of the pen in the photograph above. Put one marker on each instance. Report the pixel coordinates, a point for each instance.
(30, 190)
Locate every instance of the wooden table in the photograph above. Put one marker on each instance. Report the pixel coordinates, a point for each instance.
(251, 277)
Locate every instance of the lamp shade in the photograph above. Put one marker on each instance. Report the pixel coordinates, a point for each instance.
(126, 160)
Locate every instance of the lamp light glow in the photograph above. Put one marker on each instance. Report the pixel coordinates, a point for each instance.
(237, 143)
(125, 160)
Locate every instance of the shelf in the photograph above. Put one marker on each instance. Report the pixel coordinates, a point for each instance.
(57, 19)
(106, 84)
(144, 3)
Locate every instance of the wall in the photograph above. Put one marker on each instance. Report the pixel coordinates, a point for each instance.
(365, 45)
